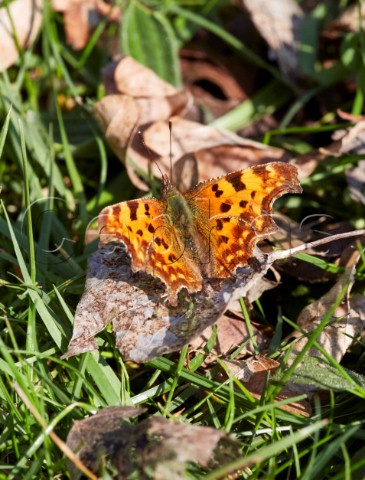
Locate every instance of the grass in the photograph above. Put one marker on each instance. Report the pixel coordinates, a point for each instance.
(57, 173)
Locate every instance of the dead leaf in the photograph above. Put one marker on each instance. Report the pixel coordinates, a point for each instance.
(81, 16)
(255, 372)
(155, 448)
(77, 14)
(347, 22)
(346, 141)
(356, 179)
(209, 152)
(213, 81)
(231, 333)
(145, 326)
(279, 22)
(188, 137)
(216, 151)
(341, 331)
(349, 117)
(156, 99)
(128, 82)
(134, 79)
(350, 140)
(118, 117)
(25, 17)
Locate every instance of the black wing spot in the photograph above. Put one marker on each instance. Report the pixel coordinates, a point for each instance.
(225, 207)
(133, 207)
(237, 183)
(219, 224)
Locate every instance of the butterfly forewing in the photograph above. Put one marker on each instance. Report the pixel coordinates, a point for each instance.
(240, 212)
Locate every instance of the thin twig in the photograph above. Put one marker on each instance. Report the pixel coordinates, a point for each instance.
(277, 255)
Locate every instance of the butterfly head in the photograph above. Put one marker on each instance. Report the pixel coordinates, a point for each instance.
(166, 185)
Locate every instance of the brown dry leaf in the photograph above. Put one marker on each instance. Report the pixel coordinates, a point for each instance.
(213, 81)
(356, 179)
(193, 144)
(347, 140)
(189, 137)
(343, 328)
(26, 18)
(129, 77)
(155, 448)
(347, 22)
(279, 22)
(231, 333)
(253, 374)
(133, 303)
(349, 117)
(118, 117)
(93, 436)
(216, 151)
(128, 82)
(81, 16)
(350, 140)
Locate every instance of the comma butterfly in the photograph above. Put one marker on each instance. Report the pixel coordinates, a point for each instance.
(205, 233)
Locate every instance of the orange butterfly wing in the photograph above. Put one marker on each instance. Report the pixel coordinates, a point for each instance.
(207, 232)
(238, 211)
(152, 242)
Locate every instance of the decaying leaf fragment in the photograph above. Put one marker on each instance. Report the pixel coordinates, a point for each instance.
(254, 374)
(216, 151)
(279, 21)
(347, 140)
(134, 304)
(341, 331)
(154, 448)
(231, 333)
(139, 101)
(135, 98)
(80, 16)
(19, 25)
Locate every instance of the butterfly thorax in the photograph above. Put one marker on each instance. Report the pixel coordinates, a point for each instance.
(185, 218)
(179, 211)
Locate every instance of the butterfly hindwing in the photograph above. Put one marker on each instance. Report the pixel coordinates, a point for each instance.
(152, 242)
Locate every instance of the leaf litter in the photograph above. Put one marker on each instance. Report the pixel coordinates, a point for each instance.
(144, 327)
(156, 448)
(22, 19)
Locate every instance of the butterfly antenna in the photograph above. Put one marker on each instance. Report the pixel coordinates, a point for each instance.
(170, 129)
(140, 134)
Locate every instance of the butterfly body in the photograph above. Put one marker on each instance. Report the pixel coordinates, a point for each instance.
(204, 233)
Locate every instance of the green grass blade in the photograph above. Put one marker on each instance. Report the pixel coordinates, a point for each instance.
(147, 36)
